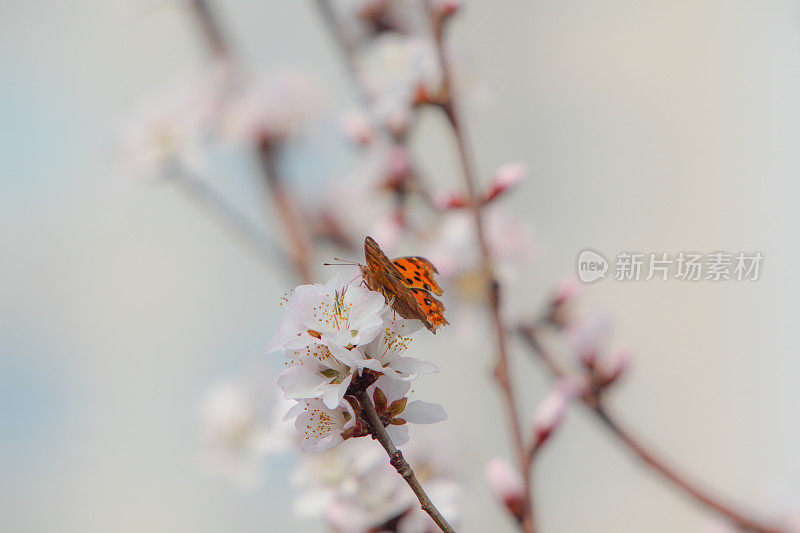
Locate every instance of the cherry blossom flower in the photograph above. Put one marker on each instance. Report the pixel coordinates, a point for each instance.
(314, 372)
(454, 253)
(242, 425)
(379, 499)
(170, 130)
(437, 468)
(271, 108)
(353, 487)
(336, 473)
(321, 428)
(337, 313)
(399, 69)
(385, 353)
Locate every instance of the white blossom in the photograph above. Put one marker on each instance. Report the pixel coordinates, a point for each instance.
(170, 130)
(242, 424)
(336, 313)
(271, 107)
(353, 487)
(320, 428)
(385, 353)
(315, 372)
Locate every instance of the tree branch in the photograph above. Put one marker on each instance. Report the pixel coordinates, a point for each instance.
(228, 215)
(293, 224)
(493, 289)
(399, 462)
(368, 99)
(594, 403)
(212, 32)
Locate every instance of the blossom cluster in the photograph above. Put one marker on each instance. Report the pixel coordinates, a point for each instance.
(354, 489)
(339, 342)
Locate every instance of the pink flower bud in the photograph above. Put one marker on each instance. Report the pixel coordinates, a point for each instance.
(586, 338)
(450, 200)
(358, 129)
(507, 485)
(398, 169)
(616, 367)
(445, 8)
(551, 412)
(566, 291)
(504, 179)
(398, 121)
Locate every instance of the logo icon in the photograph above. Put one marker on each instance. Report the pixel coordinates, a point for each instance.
(591, 266)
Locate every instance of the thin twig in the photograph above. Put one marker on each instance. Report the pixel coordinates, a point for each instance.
(365, 94)
(212, 32)
(502, 371)
(231, 218)
(293, 224)
(400, 464)
(595, 404)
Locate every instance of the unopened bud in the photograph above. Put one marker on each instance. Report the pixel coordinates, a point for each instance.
(398, 120)
(566, 292)
(504, 179)
(398, 169)
(451, 200)
(443, 10)
(616, 367)
(586, 338)
(507, 485)
(550, 413)
(358, 129)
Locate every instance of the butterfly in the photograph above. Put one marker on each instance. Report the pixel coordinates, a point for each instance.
(406, 283)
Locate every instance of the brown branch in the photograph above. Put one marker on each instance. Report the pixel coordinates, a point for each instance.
(212, 32)
(368, 98)
(594, 403)
(399, 462)
(293, 224)
(502, 371)
(230, 217)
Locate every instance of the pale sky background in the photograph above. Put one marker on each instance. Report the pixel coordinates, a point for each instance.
(655, 126)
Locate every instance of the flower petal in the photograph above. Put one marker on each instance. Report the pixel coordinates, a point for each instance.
(398, 434)
(334, 394)
(301, 381)
(419, 412)
(412, 367)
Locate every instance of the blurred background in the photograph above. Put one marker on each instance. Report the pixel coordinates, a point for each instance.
(645, 125)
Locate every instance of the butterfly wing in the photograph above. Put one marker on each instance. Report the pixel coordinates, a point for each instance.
(418, 273)
(433, 308)
(382, 276)
(386, 277)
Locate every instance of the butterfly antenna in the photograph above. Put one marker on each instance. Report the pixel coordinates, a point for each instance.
(341, 262)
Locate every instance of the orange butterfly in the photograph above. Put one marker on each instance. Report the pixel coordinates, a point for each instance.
(406, 283)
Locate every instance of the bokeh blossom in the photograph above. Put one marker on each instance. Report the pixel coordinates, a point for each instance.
(170, 131)
(354, 489)
(242, 425)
